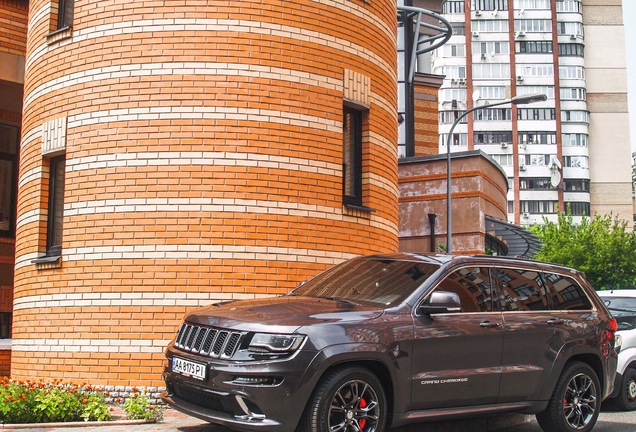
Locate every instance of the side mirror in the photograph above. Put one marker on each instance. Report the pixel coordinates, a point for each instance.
(441, 302)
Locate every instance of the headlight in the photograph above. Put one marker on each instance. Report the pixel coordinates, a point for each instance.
(275, 343)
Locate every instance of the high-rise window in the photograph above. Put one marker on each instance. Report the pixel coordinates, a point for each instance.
(535, 47)
(56, 206)
(489, 5)
(492, 137)
(8, 174)
(65, 13)
(352, 157)
(571, 50)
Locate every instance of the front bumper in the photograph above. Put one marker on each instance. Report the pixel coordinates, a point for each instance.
(224, 399)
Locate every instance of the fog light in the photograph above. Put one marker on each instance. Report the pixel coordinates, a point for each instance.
(257, 380)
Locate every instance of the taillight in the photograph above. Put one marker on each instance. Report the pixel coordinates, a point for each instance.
(609, 337)
(613, 324)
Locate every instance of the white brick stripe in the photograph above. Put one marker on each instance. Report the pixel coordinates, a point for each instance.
(137, 299)
(41, 14)
(191, 68)
(206, 113)
(204, 26)
(30, 136)
(216, 205)
(29, 176)
(193, 252)
(135, 346)
(31, 216)
(254, 160)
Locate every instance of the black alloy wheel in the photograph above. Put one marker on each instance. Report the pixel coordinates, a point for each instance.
(350, 399)
(575, 402)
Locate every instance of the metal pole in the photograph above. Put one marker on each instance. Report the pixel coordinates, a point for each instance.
(518, 100)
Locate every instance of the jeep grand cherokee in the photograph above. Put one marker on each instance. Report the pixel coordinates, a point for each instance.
(385, 340)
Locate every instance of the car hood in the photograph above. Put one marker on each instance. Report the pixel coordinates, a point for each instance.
(280, 314)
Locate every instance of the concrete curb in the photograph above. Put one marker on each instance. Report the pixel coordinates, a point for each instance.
(75, 424)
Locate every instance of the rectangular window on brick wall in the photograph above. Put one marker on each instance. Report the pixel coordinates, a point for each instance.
(8, 178)
(65, 14)
(352, 157)
(56, 207)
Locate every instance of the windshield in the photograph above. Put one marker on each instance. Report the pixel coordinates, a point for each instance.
(369, 280)
(623, 309)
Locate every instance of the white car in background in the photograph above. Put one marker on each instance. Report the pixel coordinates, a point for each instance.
(622, 305)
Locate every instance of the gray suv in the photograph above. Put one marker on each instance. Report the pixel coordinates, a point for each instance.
(386, 340)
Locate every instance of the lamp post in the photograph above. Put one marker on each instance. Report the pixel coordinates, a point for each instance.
(517, 100)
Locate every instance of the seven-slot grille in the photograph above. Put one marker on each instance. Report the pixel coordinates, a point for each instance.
(209, 341)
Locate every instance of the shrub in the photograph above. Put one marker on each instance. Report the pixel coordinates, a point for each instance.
(138, 407)
(39, 402)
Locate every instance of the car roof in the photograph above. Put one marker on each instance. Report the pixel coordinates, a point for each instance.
(441, 259)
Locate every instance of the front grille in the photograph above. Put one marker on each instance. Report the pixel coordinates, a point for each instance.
(200, 398)
(208, 341)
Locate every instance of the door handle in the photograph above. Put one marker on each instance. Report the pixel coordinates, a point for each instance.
(556, 321)
(489, 324)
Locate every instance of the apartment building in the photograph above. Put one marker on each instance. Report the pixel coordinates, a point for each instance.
(571, 150)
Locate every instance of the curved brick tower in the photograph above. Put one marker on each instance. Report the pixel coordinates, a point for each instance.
(177, 153)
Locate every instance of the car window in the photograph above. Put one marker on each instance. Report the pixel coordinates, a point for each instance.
(623, 309)
(383, 281)
(565, 293)
(473, 286)
(522, 290)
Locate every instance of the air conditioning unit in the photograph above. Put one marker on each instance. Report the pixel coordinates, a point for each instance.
(523, 146)
(462, 81)
(483, 56)
(573, 36)
(522, 167)
(478, 12)
(520, 78)
(521, 34)
(504, 145)
(526, 215)
(475, 34)
(453, 80)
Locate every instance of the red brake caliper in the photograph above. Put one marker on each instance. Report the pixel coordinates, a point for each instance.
(363, 422)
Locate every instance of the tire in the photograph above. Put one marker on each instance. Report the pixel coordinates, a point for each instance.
(575, 403)
(348, 399)
(626, 399)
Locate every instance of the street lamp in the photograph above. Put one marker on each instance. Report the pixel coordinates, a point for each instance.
(517, 100)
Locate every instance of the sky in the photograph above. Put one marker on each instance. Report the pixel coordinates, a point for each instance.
(629, 19)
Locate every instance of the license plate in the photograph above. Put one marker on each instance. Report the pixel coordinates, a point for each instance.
(188, 368)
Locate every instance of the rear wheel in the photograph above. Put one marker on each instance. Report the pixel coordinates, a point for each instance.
(575, 403)
(626, 399)
(350, 399)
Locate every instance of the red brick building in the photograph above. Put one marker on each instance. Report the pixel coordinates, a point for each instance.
(174, 154)
(13, 35)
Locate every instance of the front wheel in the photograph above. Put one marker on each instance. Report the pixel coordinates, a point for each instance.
(349, 399)
(575, 403)
(626, 399)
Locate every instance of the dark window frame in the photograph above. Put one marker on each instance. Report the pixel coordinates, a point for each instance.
(55, 217)
(352, 156)
(66, 9)
(11, 158)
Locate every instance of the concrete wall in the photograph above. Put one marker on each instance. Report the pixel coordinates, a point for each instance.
(606, 73)
(479, 188)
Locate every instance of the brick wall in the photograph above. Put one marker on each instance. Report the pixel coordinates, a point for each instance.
(203, 151)
(426, 114)
(13, 28)
(5, 362)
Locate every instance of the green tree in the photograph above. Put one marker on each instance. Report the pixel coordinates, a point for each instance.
(600, 246)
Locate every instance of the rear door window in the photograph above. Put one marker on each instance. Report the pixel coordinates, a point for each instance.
(565, 293)
(522, 290)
